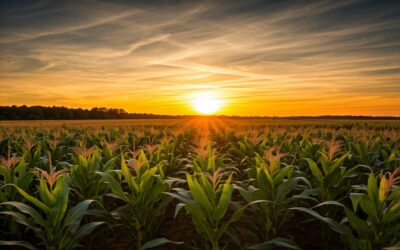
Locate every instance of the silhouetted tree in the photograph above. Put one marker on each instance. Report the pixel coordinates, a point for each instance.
(63, 113)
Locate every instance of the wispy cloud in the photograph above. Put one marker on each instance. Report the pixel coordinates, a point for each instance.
(322, 57)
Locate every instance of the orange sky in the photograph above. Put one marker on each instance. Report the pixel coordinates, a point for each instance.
(280, 59)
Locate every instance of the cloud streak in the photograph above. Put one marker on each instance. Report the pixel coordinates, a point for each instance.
(283, 58)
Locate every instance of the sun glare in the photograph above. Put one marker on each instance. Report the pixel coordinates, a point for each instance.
(206, 102)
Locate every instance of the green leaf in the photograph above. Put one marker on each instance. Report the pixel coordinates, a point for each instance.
(224, 201)
(237, 215)
(332, 224)
(392, 214)
(158, 242)
(355, 199)
(316, 172)
(44, 193)
(372, 188)
(329, 203)
(198, 193)
(4, 172)
(126, 173)
(115, 185)
(178, 208)
(32, 199)
(276, 242)
(357, 224)
(369, 207)
(58, 211)
(17, 243)
(76, 213)
(83, 231)
(179, 197)
(27, 210)
(23, 220)
(200, 222)
(339, 161)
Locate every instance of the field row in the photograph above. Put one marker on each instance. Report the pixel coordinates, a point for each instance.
(202, 185)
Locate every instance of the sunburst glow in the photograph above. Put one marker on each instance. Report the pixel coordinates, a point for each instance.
(206, 102)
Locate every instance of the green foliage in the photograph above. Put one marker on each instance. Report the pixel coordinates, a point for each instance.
(330, 178)
(48, 217)
(207, 201)
(277, 186)
(18, 174)
(141, 188)
(375, 217)
(86, 182)
(373, 223)
(243, 186)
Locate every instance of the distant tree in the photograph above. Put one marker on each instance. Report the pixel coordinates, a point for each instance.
(35, 113)
(56, 113)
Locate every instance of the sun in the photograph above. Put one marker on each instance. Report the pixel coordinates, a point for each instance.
(206, 102)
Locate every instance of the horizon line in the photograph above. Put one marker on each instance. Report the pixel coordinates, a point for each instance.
(212, 115)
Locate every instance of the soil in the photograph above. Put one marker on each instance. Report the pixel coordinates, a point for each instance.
(308, 235)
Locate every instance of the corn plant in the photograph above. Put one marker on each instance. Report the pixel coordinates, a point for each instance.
(390, 158)
(47, 217)
(86, 182)
(330, 180)
(375, 217)
(329, 177)
(13, 170)
(214, 169)
(30, 150)
(309, 149)
(169, 153)
(210, 162)
(276, 185)
(141, 188)
(247, 148)
(373, 222)
(366, 153)
(55, 146)
(207, 201)
(108, 150)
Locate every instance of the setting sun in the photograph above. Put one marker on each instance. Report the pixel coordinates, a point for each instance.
(206, 102)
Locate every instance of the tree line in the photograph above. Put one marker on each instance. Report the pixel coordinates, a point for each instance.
(63, 113)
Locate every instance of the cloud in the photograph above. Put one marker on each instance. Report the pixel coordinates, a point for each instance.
(271, 58)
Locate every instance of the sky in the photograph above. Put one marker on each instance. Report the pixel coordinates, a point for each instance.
(277, 58)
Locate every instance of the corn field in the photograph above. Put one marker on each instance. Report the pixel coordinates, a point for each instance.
(203, 184)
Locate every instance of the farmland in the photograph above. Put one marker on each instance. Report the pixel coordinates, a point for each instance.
(200, 183)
